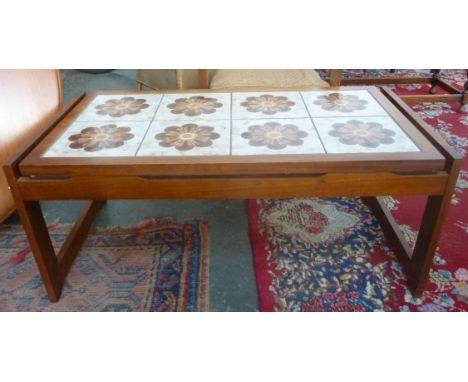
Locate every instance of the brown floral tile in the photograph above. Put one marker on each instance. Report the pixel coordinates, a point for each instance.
(366, 134)
(118, 107)
(362, 135)
(121, 107)
(194, 107)
(258, 105)
(179, 138)
(342, 103)
(96, 139)
(187, 137)
(267, 104)
(275, 136)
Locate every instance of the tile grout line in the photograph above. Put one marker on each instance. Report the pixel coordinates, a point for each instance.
(149, 126)
(313, 124)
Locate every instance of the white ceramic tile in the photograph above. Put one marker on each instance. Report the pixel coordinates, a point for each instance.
(61, 147)
(144, 114)
(352, 103)
(217, 139)
(244, 104)
(180, 107)
(301, 137)
(385, 135)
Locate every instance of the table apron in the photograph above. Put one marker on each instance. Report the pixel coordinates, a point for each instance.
(316, 185)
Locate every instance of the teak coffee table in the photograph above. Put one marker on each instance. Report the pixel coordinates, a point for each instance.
(360, 141)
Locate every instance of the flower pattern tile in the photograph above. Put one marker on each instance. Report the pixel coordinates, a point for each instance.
(333, 103)
(261, 105)
(268, 104)
(363, 135)
(99, 139)
(121, 107)
(275, 136)
(345, 103)
(187, 138)
(194, 107)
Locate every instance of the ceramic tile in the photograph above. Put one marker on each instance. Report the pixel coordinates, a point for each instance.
(261, 105)
(275, 136)
(332, 103)
(99, 139)
(363, 135)
(187, 138)
(194, 107)
(121, 107)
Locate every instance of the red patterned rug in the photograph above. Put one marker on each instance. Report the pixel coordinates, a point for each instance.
(158, 265)
(331, 255)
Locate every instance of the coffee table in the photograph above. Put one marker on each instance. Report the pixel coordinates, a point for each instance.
(267, 143)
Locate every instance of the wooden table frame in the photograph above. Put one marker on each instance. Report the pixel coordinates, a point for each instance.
(434, 79)
(33, 179)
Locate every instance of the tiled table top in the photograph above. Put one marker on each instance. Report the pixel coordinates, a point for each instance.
(306, 122)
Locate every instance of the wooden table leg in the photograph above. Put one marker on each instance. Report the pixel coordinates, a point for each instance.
(41, 247)
(417, 263)
(77, 235)
(426, 243)
(435, 76)
(464, 100)
(52, 268)
(431, 227)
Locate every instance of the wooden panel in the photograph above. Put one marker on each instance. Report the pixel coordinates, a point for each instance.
(22, 152)
(384, 80)
(432, 98)
(28, 98)
(7, 205)
(240, 165)
(321, 185)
